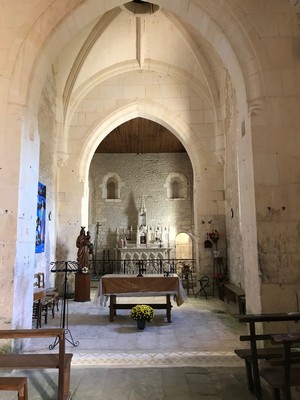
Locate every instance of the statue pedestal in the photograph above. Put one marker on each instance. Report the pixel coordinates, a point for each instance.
(82, 287)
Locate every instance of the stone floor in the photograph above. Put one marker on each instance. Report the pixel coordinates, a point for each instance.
(190, 358)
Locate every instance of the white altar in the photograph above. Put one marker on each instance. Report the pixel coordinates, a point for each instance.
(143, 252)
(151, 242)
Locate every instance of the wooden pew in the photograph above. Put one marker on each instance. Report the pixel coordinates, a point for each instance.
(253, 354)
(283, 376)
(60, 360)
(15, 383)
(234, 293)
(264, 353)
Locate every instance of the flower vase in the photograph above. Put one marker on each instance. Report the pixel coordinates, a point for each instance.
(141, 323)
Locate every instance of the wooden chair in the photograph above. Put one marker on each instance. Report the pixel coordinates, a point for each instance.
(283, 374)
(37, 281)
(37, 304)
(15, 383)
(41, 307)
(36, 310)
(52, 294)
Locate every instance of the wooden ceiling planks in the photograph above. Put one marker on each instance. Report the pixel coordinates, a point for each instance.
(140, 136)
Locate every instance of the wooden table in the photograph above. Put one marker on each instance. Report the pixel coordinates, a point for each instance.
(252, 319)
(114, 285)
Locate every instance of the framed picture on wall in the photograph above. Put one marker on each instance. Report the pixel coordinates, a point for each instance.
(40, 219)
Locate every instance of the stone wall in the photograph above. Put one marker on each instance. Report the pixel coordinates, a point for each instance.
(140, 175)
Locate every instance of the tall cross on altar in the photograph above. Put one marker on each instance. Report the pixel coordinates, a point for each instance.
(141, 268)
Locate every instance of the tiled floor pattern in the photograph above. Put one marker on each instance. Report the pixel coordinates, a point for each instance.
(202, 333)
(188, 359)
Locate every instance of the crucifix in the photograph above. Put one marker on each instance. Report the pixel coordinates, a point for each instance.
(141, 268)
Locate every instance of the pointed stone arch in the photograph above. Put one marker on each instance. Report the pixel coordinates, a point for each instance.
(160, 256)
(148, 110)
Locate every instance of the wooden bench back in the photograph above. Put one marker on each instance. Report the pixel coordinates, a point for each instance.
(36, 333)
(248, 338)
(254, 354)
(275, 317)
(31, 333)
(282, 376)
(42, 333)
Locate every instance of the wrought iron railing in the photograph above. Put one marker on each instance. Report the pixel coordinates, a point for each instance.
(99, 268)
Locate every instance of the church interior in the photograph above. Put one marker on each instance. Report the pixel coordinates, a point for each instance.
(168, 132)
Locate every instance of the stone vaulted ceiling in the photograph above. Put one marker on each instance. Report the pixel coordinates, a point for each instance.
(120, 40)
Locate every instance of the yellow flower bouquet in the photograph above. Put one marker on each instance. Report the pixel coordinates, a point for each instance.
(142, 312)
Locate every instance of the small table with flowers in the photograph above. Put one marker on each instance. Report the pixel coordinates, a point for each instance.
(115, 285)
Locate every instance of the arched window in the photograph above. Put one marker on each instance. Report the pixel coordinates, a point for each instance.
(175, 190)
(176, 185)
(111, 187)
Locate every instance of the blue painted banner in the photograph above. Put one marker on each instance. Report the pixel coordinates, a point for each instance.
(40, 219)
